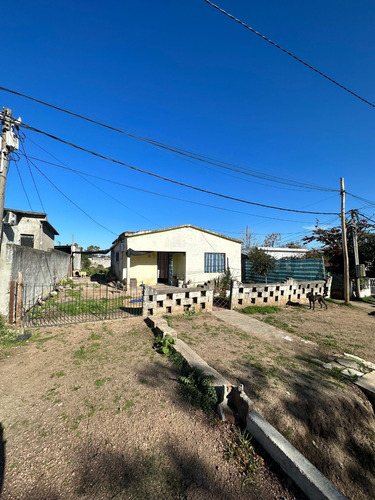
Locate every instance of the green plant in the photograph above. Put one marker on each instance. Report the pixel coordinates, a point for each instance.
(240, 452)
(261, 262)
(259, 309)
(197, 388)
(8, 334)
(191, 312)
(169, 320)
(225, 279)
(100, 381)
(338, 302)
(164, 345)
(368, 300)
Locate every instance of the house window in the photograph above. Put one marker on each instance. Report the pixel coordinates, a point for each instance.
(214, 262)
(117, 256)
(27, 240)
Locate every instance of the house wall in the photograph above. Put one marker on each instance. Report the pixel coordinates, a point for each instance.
(144, 268)
(192, 242)
(43, 237)
(118, 266)
(48, 238)
(104, 261)
(179, 264)
(37, 266)
(5, 273)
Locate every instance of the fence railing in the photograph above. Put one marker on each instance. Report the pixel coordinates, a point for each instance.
(76, 303)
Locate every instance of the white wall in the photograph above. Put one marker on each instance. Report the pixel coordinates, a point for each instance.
(284, 253)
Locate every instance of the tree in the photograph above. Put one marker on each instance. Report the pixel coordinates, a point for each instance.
(261, 262)
(85, 259)
(331, 241)
(293, 244)
(271, 239)
(92, 248)
(247, 237)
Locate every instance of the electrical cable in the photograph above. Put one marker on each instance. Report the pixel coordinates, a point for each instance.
(354, 94)
(167, 179)
(31, 173)
(367, 218)
(179, 151)
(71, 201)
(22, 184)
(168, 196)
(372, 203)
(92, 184)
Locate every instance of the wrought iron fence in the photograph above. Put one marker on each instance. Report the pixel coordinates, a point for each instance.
(78, 303)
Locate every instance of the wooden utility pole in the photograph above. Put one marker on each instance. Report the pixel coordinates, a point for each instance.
(8, 144)
(344, 244)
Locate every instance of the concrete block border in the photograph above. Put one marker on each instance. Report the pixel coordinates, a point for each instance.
(309, 479)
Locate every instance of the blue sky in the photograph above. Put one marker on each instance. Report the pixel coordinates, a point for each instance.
(184, 74)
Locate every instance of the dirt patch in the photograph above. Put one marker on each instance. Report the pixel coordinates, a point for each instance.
(92, 411)
(325, 417)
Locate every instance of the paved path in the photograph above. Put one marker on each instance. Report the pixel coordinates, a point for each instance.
(350, 364)
(250, 325)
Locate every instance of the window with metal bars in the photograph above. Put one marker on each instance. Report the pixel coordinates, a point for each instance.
(214, 262)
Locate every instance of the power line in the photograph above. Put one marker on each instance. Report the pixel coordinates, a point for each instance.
(167, 179)
(366, 217)
(183, 152)
(369, 202)
(354, 94)
(71, 201)
(31, 174)
(81, 175)
(165, 195)
(22, 184)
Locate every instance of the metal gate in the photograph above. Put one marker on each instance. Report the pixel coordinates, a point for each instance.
(372, 285)
(222, 297)
(77, 303)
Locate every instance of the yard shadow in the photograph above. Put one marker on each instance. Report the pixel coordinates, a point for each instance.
(149, 475)
(326, 419)
(157, 373)
(37, 493)
(2, 458)
(335, 423)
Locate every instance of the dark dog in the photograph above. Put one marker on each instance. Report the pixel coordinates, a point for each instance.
(316, 298)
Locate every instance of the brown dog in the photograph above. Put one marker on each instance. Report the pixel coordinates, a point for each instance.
(316, 298)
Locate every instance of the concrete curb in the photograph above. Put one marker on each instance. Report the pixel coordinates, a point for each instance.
(294, 464)
(312, 482)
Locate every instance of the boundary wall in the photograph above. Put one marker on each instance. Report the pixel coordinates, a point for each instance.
(38, 267)
(176, 301)
(278, 294)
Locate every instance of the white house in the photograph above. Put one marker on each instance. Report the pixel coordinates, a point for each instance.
(186, 253)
